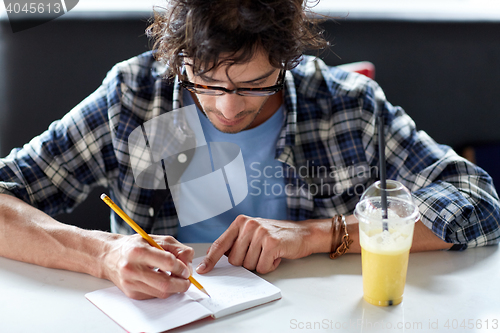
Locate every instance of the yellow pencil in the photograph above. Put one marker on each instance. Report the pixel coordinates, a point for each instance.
(141, 232)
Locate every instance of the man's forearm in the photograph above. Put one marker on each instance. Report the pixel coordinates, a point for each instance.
(27, 234)
(425, 240)
(321, 236)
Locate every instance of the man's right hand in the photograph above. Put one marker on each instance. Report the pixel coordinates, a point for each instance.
(138, 269)
(142, 271)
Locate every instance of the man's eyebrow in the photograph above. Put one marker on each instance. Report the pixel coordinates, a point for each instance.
(207, 78)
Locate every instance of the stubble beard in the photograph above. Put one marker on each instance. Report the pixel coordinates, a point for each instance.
(217, 113)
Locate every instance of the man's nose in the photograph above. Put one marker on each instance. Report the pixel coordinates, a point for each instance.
(230, 105)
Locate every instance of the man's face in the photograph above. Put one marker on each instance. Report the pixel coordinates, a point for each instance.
(231, 113)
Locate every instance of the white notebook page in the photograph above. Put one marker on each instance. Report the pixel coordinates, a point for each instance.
(152, 315)
(232, 289)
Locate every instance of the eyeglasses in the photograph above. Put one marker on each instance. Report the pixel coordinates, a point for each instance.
(249, 92)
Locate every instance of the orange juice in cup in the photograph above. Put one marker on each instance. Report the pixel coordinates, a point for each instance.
(385, 243)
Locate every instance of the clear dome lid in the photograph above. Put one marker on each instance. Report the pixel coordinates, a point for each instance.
(399, 202)
(393, 189)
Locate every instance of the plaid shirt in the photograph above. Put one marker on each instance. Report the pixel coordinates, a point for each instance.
(327, 145)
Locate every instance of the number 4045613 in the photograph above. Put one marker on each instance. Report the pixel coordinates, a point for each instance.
(472, 324)
(33, 8)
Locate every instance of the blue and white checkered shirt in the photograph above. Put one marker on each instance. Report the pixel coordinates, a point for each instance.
(327, 145)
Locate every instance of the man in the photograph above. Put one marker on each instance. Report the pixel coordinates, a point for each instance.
(240, 63)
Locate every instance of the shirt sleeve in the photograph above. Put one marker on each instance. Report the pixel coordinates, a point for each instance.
(57, 169)
(456, 199)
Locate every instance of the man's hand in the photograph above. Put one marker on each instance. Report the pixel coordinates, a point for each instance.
(142, 271)
(259, 244)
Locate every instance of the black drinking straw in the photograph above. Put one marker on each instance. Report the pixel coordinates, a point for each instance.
(383, 176)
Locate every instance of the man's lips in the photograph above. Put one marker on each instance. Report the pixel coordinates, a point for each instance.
(232, 122)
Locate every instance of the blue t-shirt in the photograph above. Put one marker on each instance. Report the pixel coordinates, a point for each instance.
(266, 185)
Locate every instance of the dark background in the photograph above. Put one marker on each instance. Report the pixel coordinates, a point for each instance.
(445, 75)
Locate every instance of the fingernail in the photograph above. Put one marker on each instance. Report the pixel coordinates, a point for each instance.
(185, 274)
(201, 267)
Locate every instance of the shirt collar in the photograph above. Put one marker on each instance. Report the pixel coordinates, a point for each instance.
(286, 141)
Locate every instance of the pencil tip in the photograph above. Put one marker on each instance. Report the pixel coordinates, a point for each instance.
(103, 196)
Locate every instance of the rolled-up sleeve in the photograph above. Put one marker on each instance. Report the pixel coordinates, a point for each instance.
(460, 205)
(57, 169)
(456, 199)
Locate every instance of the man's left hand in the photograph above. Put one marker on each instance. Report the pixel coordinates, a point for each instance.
(259, 244)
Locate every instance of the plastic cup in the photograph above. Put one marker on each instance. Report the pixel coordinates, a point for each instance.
(385, 253)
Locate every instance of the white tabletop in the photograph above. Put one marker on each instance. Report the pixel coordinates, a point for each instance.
(445, 292)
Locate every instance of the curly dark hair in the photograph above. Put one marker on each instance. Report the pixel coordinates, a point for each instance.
(204, 29)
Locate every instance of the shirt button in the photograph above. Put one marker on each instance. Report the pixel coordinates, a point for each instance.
(151, 211)
(182, 158)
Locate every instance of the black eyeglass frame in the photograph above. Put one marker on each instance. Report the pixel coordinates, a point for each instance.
(246, 92)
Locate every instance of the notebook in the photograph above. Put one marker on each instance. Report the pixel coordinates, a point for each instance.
(232, 289)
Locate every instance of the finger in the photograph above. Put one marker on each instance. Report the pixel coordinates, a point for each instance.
(143, 279)
(218, 248)
(186, 256)
(252, 256)
(133, 287)
(241, 245)
(225, 253)
(164, 284)
(268, 260)
(275, 264)
(140, 291)
(136, 294)
(181, 251)
(184, 253)
(165, 261)
(155, 285)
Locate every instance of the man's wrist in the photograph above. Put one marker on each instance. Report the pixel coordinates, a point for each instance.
(353, 230)
(320, 235)
(107, 241)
